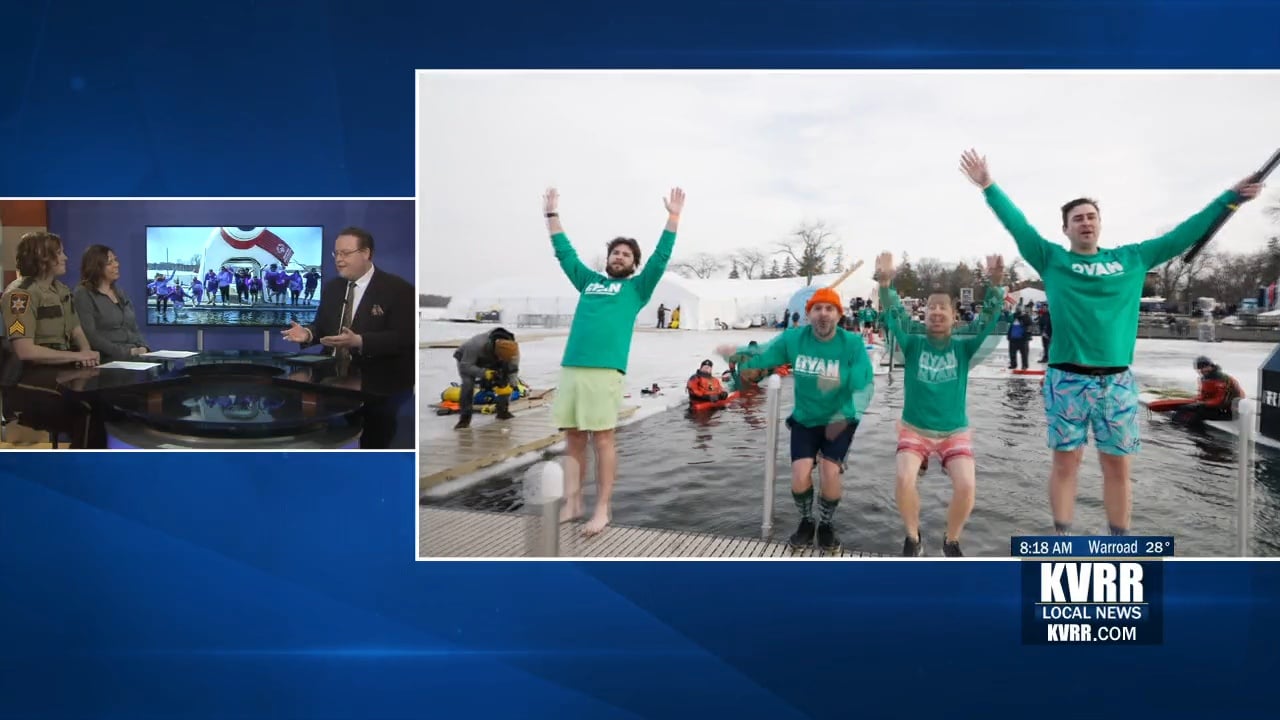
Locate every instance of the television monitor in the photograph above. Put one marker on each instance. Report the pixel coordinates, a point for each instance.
(234, 276)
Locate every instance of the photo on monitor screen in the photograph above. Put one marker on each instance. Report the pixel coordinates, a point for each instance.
(234, 276)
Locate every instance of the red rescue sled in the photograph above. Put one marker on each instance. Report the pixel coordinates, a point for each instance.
(714, 404)
(1026, 372)
(1169, 404)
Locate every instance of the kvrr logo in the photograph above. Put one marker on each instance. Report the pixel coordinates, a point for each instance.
(1091, 582)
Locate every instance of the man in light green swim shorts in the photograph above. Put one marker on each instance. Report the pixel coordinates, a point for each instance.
(595, 358)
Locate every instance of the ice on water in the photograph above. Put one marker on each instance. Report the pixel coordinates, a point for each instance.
(669, 357)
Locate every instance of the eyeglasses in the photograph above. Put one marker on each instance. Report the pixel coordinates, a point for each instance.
(346, 253)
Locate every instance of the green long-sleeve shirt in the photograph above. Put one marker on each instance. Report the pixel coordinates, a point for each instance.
(605, 318)
(936, 375)
(833, 378)
(1095, 297)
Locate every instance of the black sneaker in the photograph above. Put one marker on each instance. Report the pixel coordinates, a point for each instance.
(827, 539)
(951, 548)
(803, 536)
(913, 548)
(505, 415)
(463, 423)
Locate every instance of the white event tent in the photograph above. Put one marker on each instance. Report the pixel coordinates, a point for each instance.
(701, 302)
(1030, 294)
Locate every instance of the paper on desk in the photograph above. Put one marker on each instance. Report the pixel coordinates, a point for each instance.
(121, 365)
(170, 354)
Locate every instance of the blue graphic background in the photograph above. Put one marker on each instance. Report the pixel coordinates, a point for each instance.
(301, 98)
(283, 585)
(253, 591)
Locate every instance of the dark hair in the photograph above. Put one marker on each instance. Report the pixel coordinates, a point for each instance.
(635, 247)
(37, 253)
(1066, 209)
(953, 302)
(93, 266)
(364, 239)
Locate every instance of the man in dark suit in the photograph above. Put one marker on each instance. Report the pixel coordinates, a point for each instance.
(366, 319)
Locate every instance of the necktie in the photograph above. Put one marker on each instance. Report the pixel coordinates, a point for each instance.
(344, 354)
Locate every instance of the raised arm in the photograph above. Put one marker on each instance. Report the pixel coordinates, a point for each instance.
(647, 280)
(1164, 248)
(1031, 244)
(890, 303)
(992, 304)
(580, 275)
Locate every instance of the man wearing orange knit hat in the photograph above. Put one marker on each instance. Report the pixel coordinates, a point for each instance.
(833, 386)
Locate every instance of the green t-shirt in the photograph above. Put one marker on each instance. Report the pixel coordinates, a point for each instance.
(867, 315)
(605, 318)
(1095, 298)
(833, 379)
(936, 374)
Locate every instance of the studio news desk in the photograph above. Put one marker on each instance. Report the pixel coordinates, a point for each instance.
(231, 399)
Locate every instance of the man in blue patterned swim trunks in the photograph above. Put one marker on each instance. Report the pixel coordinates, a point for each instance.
(1095, 294)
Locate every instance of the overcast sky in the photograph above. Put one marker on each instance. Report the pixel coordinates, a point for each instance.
(874, 155)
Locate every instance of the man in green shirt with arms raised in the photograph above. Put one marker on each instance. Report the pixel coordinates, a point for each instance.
(595, 357)
(935, 419)
(833, 386)
(1094, 293)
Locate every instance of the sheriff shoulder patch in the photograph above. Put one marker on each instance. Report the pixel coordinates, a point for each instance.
(19, 302)
(17, 328)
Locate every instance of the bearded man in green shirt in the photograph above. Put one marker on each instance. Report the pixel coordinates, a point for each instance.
(834, 385)
(595, 358)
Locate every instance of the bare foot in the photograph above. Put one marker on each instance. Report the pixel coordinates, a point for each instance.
(572, 509)
(598, 522)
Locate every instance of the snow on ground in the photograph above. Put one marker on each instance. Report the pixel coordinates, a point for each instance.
(667, 357)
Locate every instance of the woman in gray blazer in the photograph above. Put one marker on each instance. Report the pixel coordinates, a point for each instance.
(106, 314)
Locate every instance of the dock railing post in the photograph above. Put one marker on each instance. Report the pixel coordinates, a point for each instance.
(773, 409)
(544, 489)
(1246, 411)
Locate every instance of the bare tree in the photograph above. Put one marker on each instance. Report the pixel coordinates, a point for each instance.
(1272, 210)
(931, 276)
(751, 262)
(1178, 275)
(1229, 277)
(702, 265)
(1013, 274)
(808, 247)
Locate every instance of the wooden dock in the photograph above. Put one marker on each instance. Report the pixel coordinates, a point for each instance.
(446, 533)
(447, 454)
